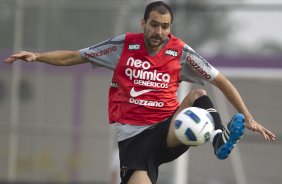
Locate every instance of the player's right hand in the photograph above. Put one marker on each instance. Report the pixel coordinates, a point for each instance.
(23, 55)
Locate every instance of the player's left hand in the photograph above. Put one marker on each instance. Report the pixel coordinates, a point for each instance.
(251, 124)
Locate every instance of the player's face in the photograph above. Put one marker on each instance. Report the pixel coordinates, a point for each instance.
(156, 30)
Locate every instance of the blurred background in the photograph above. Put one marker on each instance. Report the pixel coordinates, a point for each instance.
(53, 120)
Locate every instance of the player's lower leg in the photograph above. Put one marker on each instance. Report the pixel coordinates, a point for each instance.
(224, 142)
(223, 139)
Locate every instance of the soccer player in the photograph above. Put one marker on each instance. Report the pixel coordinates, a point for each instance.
(148, 68)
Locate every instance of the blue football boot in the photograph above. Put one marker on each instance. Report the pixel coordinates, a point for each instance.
(226, 140)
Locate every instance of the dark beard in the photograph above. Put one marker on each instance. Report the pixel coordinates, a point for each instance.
(149, 43)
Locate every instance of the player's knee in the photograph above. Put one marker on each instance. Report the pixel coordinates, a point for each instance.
(197, 93)
(200, 92)
(191, 97)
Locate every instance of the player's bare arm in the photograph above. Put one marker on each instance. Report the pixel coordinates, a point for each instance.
(58, 58)
(235, 99)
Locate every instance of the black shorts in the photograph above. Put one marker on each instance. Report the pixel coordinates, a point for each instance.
(147, 151)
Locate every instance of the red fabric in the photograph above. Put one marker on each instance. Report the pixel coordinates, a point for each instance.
(143, 89)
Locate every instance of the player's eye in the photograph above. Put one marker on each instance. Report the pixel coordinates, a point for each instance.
(155, 25)
(165, 26)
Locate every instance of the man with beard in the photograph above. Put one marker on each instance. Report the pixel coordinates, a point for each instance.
(148, 68)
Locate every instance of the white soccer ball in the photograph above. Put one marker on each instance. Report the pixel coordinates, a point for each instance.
(193, 126)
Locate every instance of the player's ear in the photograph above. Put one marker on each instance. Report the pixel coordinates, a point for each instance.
(142, 24)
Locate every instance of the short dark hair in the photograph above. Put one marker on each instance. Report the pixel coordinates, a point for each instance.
(159, 6)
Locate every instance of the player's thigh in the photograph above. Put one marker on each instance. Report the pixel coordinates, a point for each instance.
(188, 101)
(139, 177)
